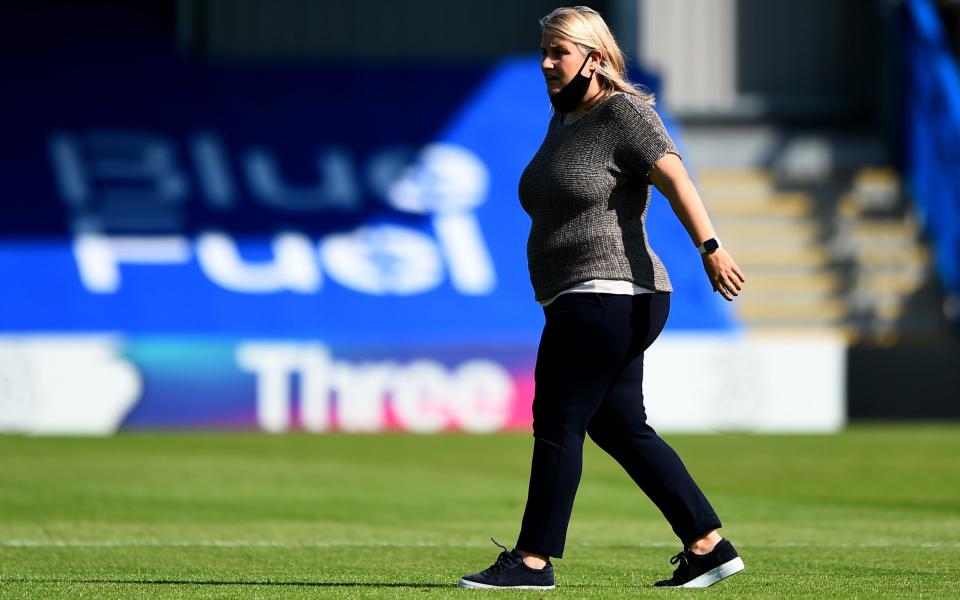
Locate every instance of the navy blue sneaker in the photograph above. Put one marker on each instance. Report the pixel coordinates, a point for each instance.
(702, 570)
(509, 572)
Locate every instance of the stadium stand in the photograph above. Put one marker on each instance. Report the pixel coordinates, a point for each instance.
(837, 252)
(214, 120)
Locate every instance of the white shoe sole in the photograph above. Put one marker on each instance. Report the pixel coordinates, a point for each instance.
(716, 574)
(483, 586)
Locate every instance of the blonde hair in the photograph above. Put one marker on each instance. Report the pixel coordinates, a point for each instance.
(586, 28)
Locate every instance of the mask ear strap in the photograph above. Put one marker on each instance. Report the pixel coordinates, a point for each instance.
(587, 59)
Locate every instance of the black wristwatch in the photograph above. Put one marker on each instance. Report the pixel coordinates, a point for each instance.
(709, 246)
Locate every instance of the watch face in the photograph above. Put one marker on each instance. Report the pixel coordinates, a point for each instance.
(710, 245)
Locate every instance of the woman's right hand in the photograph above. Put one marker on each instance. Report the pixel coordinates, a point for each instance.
(724, 274)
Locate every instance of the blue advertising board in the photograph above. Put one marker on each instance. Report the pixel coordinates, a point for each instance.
(190, 209)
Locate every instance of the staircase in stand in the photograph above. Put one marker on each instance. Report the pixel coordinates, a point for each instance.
(833, 252)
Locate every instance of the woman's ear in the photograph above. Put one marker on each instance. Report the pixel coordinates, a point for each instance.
(596, 57)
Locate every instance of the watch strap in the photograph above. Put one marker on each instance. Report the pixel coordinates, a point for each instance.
(709, 246)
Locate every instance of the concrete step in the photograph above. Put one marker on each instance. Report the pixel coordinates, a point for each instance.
(907, 272)
(884, 282)
(872, 227)
(786, 151)
(892, 243)
(768, 244)
(804, 329)
(887, 257)
(825, 310)
(786, 299)
(735, 228)
(808, 258)
(781, 204)
(800, 283)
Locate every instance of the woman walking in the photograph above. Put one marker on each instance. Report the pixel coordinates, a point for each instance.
(606, 296)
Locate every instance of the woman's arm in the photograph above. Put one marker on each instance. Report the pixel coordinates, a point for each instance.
(670, 177)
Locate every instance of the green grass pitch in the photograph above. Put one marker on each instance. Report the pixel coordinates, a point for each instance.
(871, 513)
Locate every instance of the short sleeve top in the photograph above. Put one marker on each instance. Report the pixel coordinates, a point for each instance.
(587, 190)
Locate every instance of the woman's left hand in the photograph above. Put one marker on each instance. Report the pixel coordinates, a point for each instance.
(724, 274)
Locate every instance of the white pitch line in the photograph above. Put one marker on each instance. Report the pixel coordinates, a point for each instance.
(25, 543)
(221, 544)
(786, 545)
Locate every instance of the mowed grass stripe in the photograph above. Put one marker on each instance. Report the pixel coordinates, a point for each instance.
(872, 512)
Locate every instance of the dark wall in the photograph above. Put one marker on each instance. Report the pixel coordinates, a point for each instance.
(363, 30)
(904, 382)
(816, 59)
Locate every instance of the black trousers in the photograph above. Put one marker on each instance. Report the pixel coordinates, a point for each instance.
(588, 379)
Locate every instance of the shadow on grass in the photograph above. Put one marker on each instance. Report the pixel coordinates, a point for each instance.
(321, 584)
(390, 584)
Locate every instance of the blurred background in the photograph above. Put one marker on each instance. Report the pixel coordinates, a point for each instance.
(295, 215)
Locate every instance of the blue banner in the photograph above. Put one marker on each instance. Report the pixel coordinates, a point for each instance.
(277, 248)
(357, 204)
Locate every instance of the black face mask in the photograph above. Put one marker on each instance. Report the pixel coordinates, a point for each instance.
(569, 97)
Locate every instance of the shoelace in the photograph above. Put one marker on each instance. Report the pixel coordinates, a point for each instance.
(503, 560)
(683, 558)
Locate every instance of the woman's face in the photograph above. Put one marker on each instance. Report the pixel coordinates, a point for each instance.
(560, 60)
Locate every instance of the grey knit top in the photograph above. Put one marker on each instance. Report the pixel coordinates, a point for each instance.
(587, 190)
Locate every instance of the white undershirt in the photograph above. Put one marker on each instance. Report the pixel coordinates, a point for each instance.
(603, 286)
